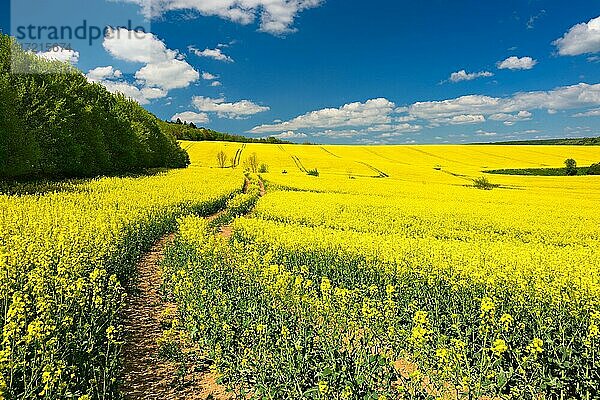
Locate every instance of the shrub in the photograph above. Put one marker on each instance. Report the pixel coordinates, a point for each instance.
(313, 172)
(483, 183)
(221, 159)
(570, 167)
(263, 169)
(594, 169)
(251, 163)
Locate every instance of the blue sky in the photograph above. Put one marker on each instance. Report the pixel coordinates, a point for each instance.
(346, 71)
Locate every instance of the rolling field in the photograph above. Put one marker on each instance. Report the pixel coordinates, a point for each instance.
(387, 276)
(390, 276)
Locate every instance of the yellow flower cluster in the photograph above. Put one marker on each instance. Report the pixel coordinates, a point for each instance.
(66, 252)
(467, 292)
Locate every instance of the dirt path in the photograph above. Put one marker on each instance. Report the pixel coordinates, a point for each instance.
(146, 375)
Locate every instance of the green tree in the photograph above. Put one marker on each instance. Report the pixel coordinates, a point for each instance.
(570, 167)
(54, 122)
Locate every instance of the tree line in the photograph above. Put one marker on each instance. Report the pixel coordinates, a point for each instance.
(54, 123)
(184, 131)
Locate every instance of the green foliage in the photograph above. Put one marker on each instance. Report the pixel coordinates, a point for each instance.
(570, 167)
(555, 142)
(56, 123)
(183, 131)
(263, 168)
(313, 172)
(483, 183)
(536, 171)
(594, 169)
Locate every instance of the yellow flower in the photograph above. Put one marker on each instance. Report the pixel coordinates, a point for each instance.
(499, 347)
(420, 318)
(536, 347)
(323, 387)
(506, 320)
(325, 286)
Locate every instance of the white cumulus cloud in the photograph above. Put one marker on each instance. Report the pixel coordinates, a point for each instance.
(172, 74)
(516, 63)
(207, 76)
(562, 98)
(590, 113)
(463, 75)
(236, 110)
(164, 69)
(276, 16)
(511, 119)
(582, 38)
(374, 111)
(484, 133)
(141, 95)
(101, 73)
(215, 54)
(191, 116)
(60, 54)
(290, 135)
(136, 46)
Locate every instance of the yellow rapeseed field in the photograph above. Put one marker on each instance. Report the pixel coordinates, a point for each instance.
(389, 275)
(66, 252)
(383, 275)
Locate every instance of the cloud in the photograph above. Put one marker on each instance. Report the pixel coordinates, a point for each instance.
(215, 84)
(141, 95)
(135, 46)
(382, 118)
(172, 74)
(589, 113)
(215, 54)
(515, 63)
(207, 76)
(582, 38)
(290, 135)
(562, 98)
(463, 75)
(374, 111)
(511, 119)
(103, 73)
(276, 16)
(59, 54)
(165, 69)
(240, 109)
(341, 134)
(465, 119)
(191, 116)
(394, 128)
(484, 133)
(532, 20)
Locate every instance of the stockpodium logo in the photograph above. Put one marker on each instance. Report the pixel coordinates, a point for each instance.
(74, 32)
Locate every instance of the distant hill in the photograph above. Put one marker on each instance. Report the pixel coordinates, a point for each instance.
(183, 131)
(563, 142)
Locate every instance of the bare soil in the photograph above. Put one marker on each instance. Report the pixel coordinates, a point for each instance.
(146, 375)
